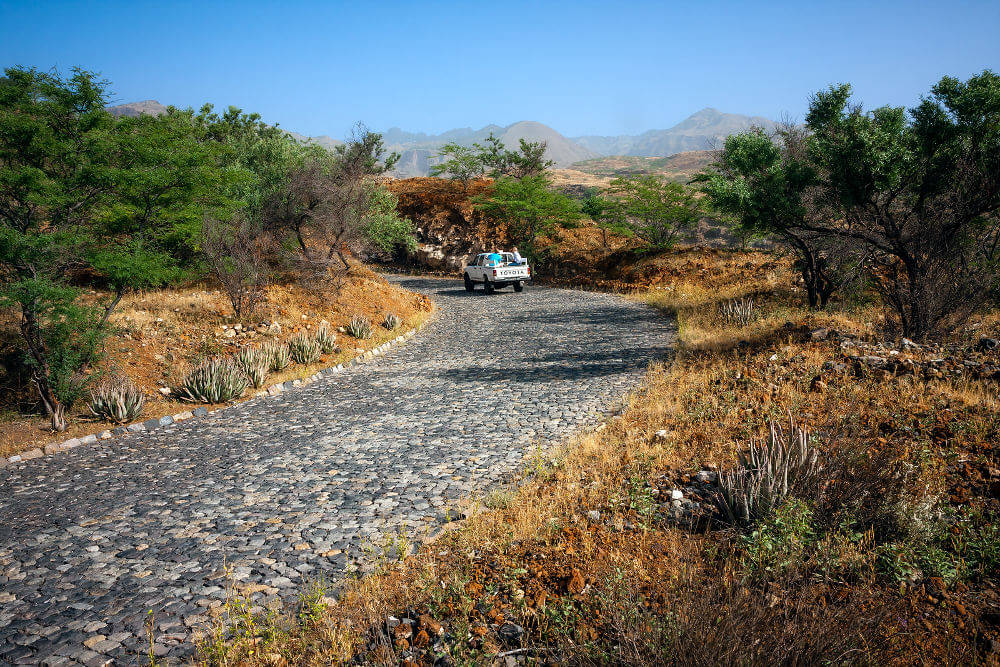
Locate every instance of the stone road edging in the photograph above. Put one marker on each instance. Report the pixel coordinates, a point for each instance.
(166, 420)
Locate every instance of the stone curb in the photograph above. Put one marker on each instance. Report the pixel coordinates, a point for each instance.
(167, 420)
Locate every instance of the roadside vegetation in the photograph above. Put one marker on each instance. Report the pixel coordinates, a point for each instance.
(812, 479)
(99, 214)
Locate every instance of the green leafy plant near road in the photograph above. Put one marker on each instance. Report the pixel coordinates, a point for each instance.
(133, 203)
(650, 208)
(214, 381)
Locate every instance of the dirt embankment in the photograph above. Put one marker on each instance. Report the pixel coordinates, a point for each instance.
(449, 228)
(450, 231)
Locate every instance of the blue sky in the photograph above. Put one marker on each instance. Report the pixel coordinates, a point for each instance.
(581, 67)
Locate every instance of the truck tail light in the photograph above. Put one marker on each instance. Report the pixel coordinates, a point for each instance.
(494, 271)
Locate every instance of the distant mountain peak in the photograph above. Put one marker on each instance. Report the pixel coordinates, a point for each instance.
(703, 130)
(132, 109)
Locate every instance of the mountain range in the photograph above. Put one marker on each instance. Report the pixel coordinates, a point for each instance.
(704, 130)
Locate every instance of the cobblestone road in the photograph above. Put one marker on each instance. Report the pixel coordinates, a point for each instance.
(290, 488)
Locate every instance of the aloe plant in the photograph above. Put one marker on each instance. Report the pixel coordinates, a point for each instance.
(391, 321)
(360, 327)
(767, 473)
(278, 355)
(304, 349)
(327, 340)
(118, 401)
(256, 363)
(739, 311)
(214, 381)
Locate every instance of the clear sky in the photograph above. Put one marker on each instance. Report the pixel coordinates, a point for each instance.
(613, 67)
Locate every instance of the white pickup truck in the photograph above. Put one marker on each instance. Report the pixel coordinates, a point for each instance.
(495, 274)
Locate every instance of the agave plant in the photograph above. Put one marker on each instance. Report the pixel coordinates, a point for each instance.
(391, 321)
(767, 473)
(304, 349)
(256, 363)
(739, 311)
(327, 341)
(118, 401)
(360, 327)
(214, 381)
(278, 356)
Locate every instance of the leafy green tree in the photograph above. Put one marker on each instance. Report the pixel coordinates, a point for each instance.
(651, 208)
(918, 192)
(492, 158)
(383, 228)
(765, 185)
(597, 208)
(530, 208)
(79, 191)
(529, 160)
(495, 159)
(55, 147)
(460, 163)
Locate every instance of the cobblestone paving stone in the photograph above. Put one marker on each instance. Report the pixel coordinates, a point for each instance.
(290, 488)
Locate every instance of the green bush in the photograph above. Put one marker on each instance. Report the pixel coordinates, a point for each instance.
(780, 543)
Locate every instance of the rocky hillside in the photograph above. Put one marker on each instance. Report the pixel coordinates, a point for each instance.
(680, 167)
(449, 229)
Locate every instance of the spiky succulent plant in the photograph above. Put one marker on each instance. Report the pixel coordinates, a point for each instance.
(304, 349)
(118, 401)
(391, 321)
(327, 340)
(214, 381)
(360, 327)
(739, 311)
(256, 363)
(279, 358)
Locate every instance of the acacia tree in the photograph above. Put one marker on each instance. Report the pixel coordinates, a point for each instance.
(650, 208)
(493, 159)
(335, 203)
(81, 191)
(767, 186)
(918, 192)
(460, 163)
(530, 208)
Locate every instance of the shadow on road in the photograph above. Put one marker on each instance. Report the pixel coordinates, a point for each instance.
(562, 366)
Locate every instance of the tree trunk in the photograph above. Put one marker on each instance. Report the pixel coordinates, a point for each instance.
(54, 408)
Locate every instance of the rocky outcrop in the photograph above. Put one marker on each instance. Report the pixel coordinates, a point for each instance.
(449, 228)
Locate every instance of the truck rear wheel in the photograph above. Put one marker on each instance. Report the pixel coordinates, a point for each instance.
(518, 286)
(487, 286)
(469, 285)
